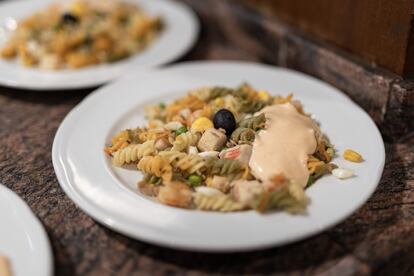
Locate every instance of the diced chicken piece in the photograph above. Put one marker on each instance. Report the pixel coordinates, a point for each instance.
(162, 144)
(212, 140)
(220, 183)
(148, 189)
(50, 62)
(175, 194)
(246, 191)
(241, 153)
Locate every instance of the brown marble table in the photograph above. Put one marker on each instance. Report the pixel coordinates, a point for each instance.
(378, 238)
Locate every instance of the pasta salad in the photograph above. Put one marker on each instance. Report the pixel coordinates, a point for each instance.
(81, 33)
(226, 149)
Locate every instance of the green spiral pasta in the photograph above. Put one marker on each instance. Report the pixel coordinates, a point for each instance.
(251, 106)
(133, 153)
(290, 198)
(256, 122)
(210, 161)
(151, 179)
(243, 135)
(192, 164)
(185, 140)
(220, 91)
(133, 135)
(218, 203)
(227, 167)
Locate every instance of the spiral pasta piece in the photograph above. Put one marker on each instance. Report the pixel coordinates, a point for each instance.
(188, 163)
(251, 106)
(255, 122)
(133, 153)
(290, 197)
(185, 140)
(218, 203)
(190, 102)
(226, 167)
(156, 165)
(119, 141)
(219, 91)
(154, 133)
(243, 135)
(151, 179)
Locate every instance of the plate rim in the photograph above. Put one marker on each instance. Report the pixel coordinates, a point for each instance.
(92, 211)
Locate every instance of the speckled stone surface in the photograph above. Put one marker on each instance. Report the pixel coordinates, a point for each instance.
(377, 239)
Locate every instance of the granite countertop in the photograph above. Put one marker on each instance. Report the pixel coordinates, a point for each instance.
(376, 239)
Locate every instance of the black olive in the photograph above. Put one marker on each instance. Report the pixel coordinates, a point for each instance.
(69, 18)
(225, 119)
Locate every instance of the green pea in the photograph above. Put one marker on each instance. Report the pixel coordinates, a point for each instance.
(181, 130)
(194, 180)
(161, 105)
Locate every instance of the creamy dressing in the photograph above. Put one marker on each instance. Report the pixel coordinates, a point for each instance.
(285, 145)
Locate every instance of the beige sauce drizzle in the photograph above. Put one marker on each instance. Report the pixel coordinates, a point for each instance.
(285, 145)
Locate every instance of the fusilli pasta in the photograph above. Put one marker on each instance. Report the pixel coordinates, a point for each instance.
(152, 179)
(224, 167)
(120, 141)
(218, 91)
(251, 106)
(219, 203)
(256, 122)
(156, 165)
(187, 163)
(183, 141)
(243, 135)
(133, 153)
(290, 198)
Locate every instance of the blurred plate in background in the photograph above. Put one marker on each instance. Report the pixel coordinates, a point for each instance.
(23, 241)
(180, 32)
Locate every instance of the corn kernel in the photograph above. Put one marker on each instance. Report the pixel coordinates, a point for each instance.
(352, 156)
(77, 8)
(219, 102)
(201, 124)
(263, 95)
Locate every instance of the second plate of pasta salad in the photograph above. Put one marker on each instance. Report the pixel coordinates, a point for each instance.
(218, 156)
(60, 45)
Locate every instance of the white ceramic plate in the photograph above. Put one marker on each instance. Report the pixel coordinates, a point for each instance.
(22, 237)
(179, 34)
(109, 194)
